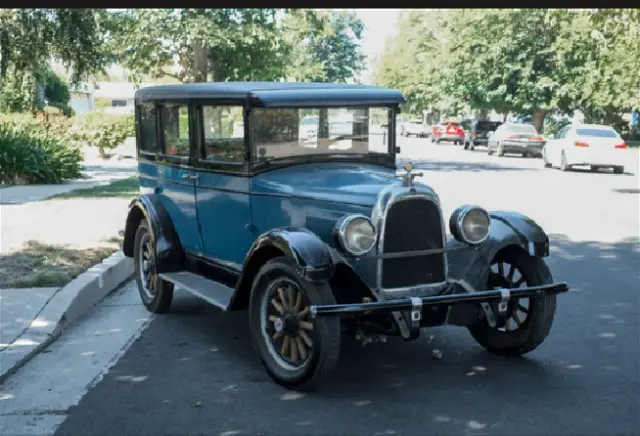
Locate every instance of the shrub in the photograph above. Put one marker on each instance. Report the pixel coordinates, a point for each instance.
(56, 90)
(27, 157)
(105, 131)
(51, 122)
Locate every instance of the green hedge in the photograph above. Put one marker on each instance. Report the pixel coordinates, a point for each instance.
(31, 157)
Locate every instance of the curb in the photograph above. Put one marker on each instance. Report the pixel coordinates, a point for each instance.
(67, 305)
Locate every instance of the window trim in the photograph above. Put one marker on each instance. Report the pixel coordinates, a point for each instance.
(226, 167)
(146, 154)
(161, 156)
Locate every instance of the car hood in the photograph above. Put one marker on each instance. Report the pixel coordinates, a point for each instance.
(337, 182)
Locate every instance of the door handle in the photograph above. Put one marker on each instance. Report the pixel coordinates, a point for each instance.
(190, 176)
(186, 176)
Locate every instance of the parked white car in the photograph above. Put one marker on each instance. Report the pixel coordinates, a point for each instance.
(414, 127)
(595, 145)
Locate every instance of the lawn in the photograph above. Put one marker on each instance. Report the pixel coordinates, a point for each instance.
(126, 188)
(50, 242)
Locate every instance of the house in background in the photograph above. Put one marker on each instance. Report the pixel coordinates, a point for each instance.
(119, 95)
(82, 98)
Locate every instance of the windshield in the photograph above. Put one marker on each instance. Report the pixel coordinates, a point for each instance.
(283, 133)
(599, 133)
(522, 128)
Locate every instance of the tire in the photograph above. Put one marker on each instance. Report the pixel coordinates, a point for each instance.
(544, 160)
(472, 146)
(594, 168)
(534, 329)
(156, 294)
(466, 145)
(500, 150)
(489, 151)
(438, 141)
(564, 166)
(618, 170)
(324, 335)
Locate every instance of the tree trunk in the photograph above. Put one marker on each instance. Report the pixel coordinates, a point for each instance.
(537, 119)
(199, 61)
(482, 114)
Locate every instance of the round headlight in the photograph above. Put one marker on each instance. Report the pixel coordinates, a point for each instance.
(470, 224)
(356, 234)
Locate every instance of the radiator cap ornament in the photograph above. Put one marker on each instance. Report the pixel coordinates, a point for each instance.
(407, 177)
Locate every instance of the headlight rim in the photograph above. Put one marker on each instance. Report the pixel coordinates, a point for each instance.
(340, 231)
(457, 219)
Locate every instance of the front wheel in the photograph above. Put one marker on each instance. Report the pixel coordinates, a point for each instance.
(564, 166)
(618, 170)
(544, 159)
(529, 320)
(296, 351)
(156, 294)
(500, 150)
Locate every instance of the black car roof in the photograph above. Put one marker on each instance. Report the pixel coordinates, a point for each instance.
(276, 93)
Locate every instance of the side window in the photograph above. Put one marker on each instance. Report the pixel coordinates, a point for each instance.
(148, 128)
(223, 134)
(175, 129)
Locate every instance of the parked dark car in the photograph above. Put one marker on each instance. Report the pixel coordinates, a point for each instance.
(518, 138)
(477, 133)
(318, 235)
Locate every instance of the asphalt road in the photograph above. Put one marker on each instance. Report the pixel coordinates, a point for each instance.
(193, 370)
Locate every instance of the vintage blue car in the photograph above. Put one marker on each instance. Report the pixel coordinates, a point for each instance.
(247, 204)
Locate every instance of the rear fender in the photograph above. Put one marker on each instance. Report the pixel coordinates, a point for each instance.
(508, 229)
(169, 252)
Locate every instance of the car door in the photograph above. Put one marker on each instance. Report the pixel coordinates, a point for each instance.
(222, 187)
(492, 141)
(172, 171)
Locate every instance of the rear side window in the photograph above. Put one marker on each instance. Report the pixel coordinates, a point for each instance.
(175, 129)
(599, 133)
(148, 128)
(223, 133)
(486, 126)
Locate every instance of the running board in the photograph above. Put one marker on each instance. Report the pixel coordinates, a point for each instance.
(209, 290)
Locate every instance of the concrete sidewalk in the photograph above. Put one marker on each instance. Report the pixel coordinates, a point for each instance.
(30, 319)
(96, 172)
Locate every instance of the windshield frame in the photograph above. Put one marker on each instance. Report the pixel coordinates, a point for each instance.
(387, 159)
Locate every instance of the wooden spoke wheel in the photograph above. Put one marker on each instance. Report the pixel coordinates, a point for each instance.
(296, 350)
(528, 320)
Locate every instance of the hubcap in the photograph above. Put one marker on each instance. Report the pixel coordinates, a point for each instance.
(286, 329)
(506, 275)
(148, 275)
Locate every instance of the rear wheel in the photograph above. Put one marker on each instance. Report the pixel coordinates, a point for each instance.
(618, 170)
(529, 320)
(156, 294)
(296, 351)
(500, 150)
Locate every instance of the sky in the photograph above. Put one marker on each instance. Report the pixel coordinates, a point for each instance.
(379, 25)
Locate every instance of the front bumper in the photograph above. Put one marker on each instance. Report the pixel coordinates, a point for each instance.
(417, 305)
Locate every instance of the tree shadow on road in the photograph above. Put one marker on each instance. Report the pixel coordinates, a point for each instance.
(456, 166)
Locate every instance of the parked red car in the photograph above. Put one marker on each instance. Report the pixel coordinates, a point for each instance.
(448, 131)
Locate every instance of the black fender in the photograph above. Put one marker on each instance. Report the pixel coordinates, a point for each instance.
(169, 252)
(311, 255)
(508, 229)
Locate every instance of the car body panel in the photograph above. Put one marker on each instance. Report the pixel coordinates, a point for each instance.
(224, 209)
(517, 138)
(479, 130)
(177, 195)
(448, 131)
(599, 151)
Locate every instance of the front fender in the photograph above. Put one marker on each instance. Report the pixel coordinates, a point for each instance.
(310, 253)
(169, 252)
(472, 264)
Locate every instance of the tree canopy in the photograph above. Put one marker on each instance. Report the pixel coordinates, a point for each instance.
(526, 61)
